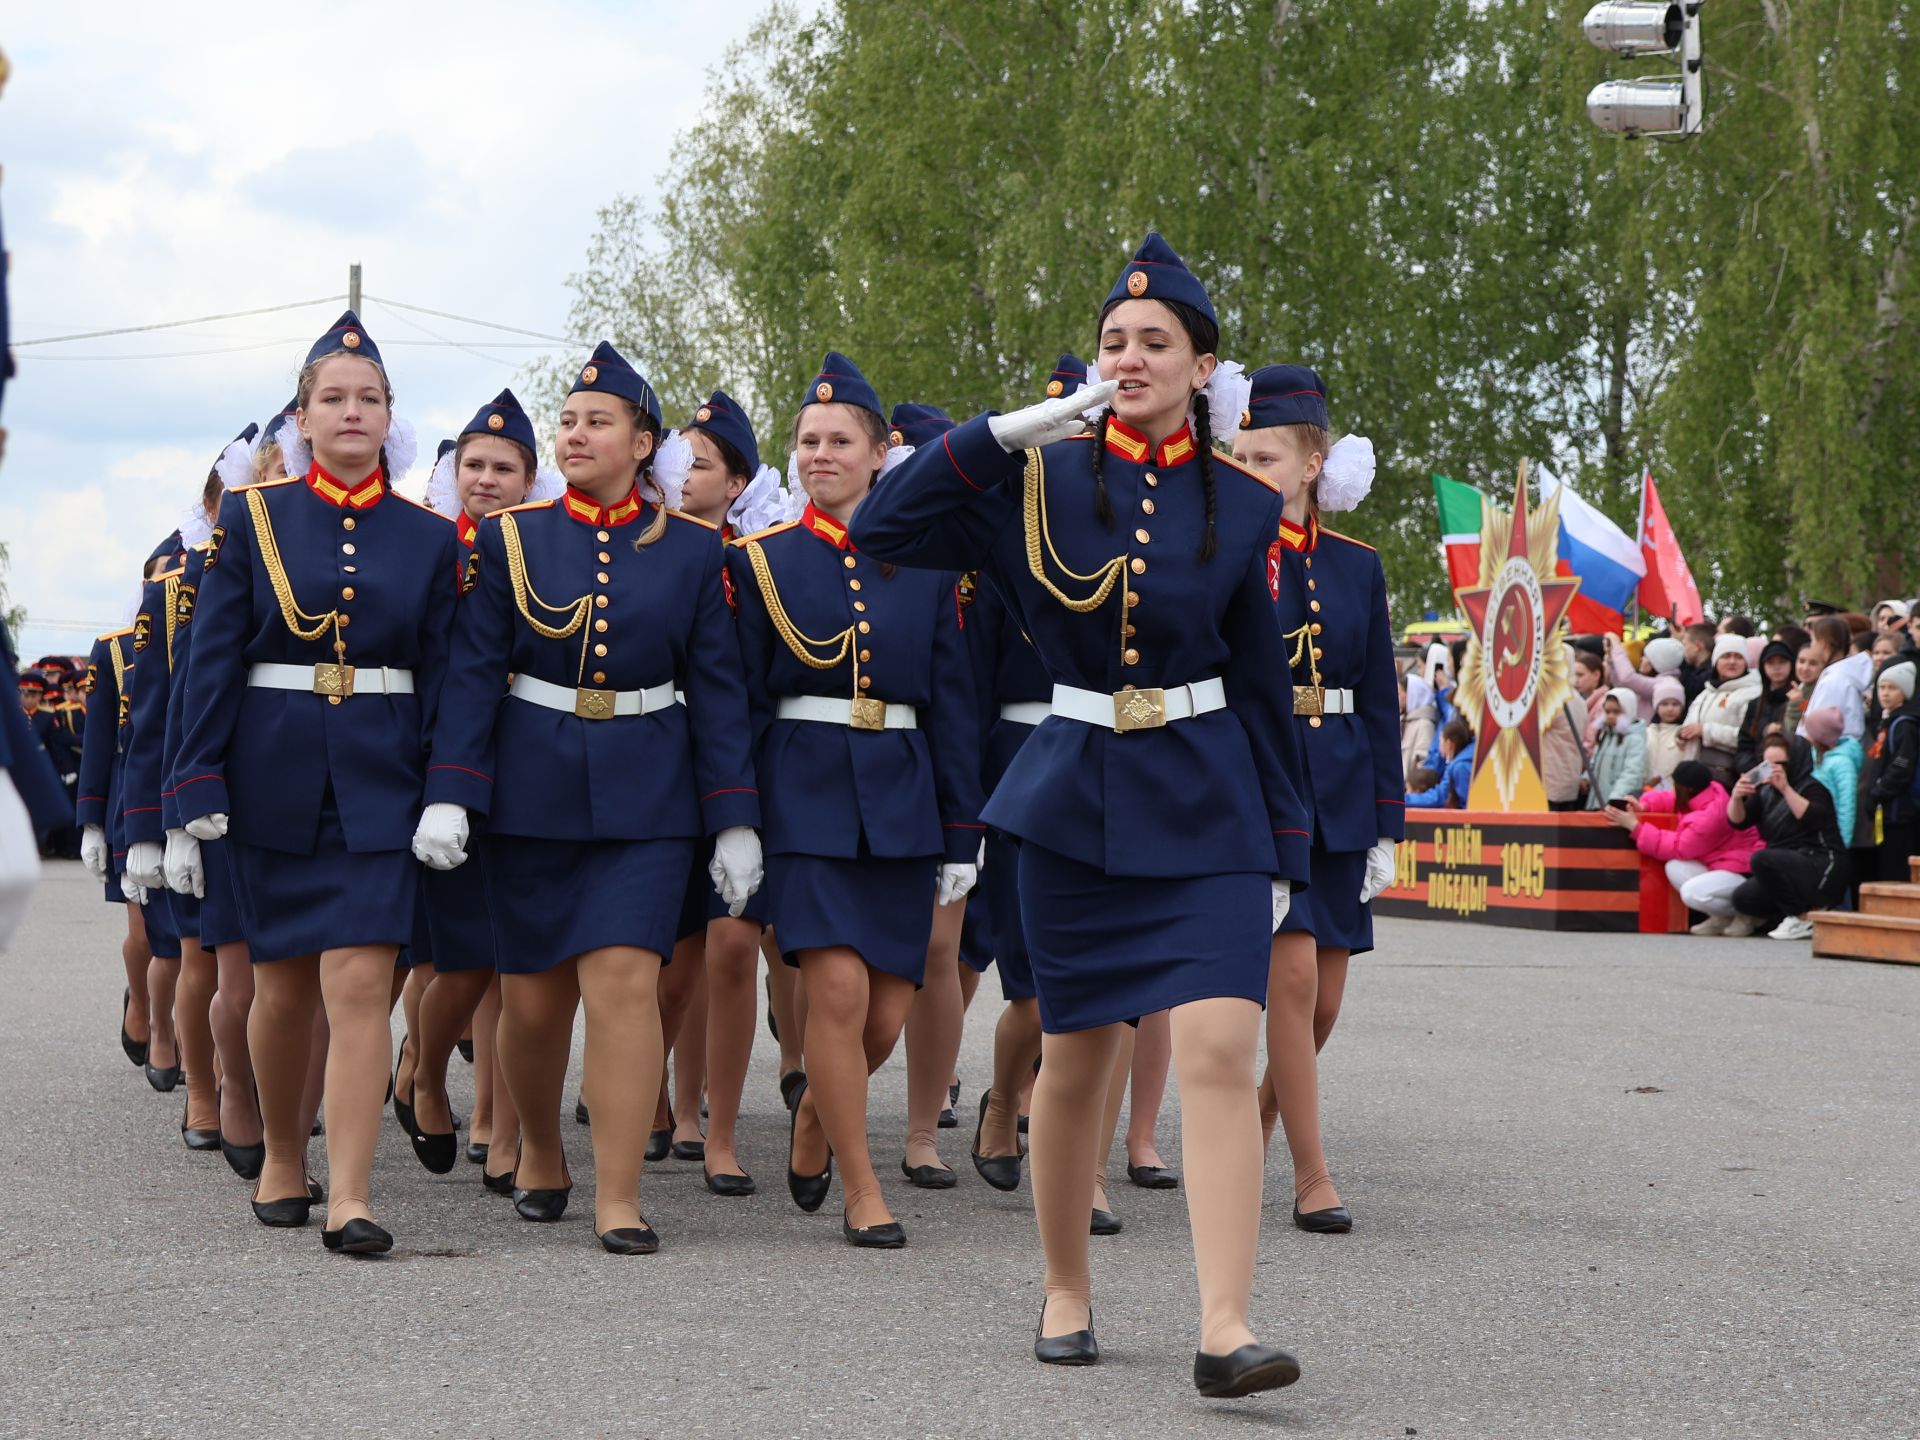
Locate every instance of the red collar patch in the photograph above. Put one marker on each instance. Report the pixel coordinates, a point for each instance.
(591, 512)
(827, 528)
(1129, 444)
(1299, 538)
(468, 529)
(363, 496)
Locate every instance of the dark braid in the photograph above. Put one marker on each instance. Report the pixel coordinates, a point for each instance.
(1102, 503)
(1203, 438)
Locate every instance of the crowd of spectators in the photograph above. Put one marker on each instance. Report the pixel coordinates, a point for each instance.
(1788, 759)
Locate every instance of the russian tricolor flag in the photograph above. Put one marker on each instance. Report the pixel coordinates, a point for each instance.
(1604, 556)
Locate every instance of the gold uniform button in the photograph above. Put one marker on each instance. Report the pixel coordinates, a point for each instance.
(853, 584)
(602, 536)
(1314, 721)
(861, 606)
(1309, 562)
(600, 602)
(347, 549)
(1313, 584)
(1151, 478)
(601, 576)
(599, 677)
(345, 620)
(1133, 598)
(605, 558)
(1313, 605)
(865, 656)
(866, 682)
(1147, 505)
(601, 651)
(351, 569)
(1130, 632)
(1314, 628)
(849, 562)
(1131, 656)
(348, 523)
(1142, 536)
(347, 594)
(601, 626)
(333, 699)
(1139, 566)
(1318, 653)
(865, 626)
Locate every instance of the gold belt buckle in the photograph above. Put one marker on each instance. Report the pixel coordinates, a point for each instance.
(1309, 700)
(1139, 710)
(868, 714)
(593, 704)
(333, 680)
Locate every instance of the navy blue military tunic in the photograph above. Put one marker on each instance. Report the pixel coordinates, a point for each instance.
(323, 789)
(877, 809)
(592, 822)
(146, 797)
(1333, 614)
(103, 749)
(1145, 856)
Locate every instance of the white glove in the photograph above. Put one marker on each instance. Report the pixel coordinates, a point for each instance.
(440, 841)
(736, 869)
(93, 851)
(19, 859)
(185, 873)
(135, 892)
(1282, 902)
(146, 864)
(1379, 871)
(208, 827)
(956, 881)
(1050, 420)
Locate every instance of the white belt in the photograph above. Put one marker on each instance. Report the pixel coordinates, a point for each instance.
(1331, 702)
(593, 704)
(862, 714)
(337, 681)
(1025, 712)
(1138, 709)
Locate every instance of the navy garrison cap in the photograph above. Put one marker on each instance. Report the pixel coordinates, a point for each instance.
(347, 337)
(1068, 376)
(722, 418)
(841, 383)
(1285, 395)
(284, 418)
(167, 548)
(917, 424)
(441, 452)
(608, 372)
(502, 416)
(1156, 273)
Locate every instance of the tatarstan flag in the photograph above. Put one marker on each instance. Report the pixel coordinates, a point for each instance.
(1461, 509)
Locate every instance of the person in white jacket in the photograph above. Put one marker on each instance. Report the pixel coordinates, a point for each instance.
(1717, 711)
(1844, 678)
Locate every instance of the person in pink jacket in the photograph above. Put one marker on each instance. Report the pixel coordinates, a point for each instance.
(1662, 656)
(1705, 857)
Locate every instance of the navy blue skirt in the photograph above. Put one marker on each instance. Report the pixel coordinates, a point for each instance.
(881, 908)
(976, 935)
(703, 902)
(186, 914)
(459, 914)
(220, 906)
(330, 900)
(1000, 882)
(163, 931)
(556, 899)
(1107, 949)
(1329, 909)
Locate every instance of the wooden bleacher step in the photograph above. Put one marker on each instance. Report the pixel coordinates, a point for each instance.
(1883, 897)
(1868, 935)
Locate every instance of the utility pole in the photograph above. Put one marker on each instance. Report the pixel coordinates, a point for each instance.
(353, 287)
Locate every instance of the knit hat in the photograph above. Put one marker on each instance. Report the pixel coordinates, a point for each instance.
(1665, 655)
(1692, 775)
(1668, 687)
(1730, 645)
(1901, 676)
(1628, 702)
(1823, 726)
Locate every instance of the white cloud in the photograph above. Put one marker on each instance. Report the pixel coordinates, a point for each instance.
(459, 151)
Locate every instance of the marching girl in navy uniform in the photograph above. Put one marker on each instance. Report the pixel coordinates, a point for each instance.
(491, 466)
(1157, 805)
(869, 761)
(726, 486)
(321, 640)
(1333, 609)
(622, 738)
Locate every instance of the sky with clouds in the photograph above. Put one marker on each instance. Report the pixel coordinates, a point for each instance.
(162, 164)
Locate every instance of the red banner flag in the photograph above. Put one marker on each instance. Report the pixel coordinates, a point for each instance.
(1668, 589)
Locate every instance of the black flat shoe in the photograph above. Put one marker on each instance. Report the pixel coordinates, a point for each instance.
(809, 1191)
(1105, 1222)
(580, 1111)
(1247, 1371)
(929, 1177)
(541, 1206)
(477, 1152)
(437, 1152)
(659, 1144)
(1153, 1177)
(1023, 1124)
(357, 1237)
(875, 1237)
(1076, 1347)
(288, 1214)
(630, 1240)
(465, 1047)
(689, 1150)
(163, 1079)
(1002, 1172)
(1334, 1221)
(401, 1109)
(314, 1192)
(729, 1185)
(136, 1049)
(773, 1025)
(498, 1184)
(244, 1160)
(948, 1120)
(791, 1084)
(198, 1139)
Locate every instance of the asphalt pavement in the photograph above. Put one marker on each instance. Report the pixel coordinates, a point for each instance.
(1609, 1186)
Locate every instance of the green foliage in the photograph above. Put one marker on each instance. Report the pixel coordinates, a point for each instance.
(1404, 193)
